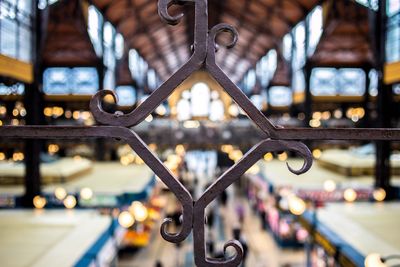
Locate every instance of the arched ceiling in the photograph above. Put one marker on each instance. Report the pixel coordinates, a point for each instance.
(261, 25)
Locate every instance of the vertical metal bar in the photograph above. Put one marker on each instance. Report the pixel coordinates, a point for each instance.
(33, 105)
(383, 151)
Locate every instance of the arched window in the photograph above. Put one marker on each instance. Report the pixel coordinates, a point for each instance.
(183, 110)
(315, 21)
(217, 109)
(200, 104)
(95, 22)
(287, 46)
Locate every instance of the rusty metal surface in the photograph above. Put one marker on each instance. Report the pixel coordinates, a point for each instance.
(118, 125)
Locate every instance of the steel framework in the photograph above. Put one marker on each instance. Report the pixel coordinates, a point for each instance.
(118, 126)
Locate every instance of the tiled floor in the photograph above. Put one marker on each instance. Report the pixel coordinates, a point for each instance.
(263, 251)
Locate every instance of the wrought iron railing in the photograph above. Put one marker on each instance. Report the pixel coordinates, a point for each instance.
(118, 126)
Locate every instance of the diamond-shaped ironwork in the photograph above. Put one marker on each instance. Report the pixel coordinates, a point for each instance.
(118, 125)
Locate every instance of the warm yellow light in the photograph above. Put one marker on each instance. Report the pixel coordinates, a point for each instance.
(161, 110)
(1, 123)
(379, 194)
(125, 160)
(317, 153)
(180, 150)
(77, 158)
(149, 118)
(53, 148)
(125, 219)
(2, 156)
(139, 161)
(86, 193)
(39, 202)
(70, 202)
(60, 193)
(317, 115)
(109, 99)
(226, 148)
(3, 110)
(153, 147)
(191, 124)
(48, 112)
(374, 260)
(76, 115)
(14, 122)
(139, 211)
(268, 157)
(315, 123)
(283, 156)
(350, 195)
(235, 155)
(18, 156)
(15, 112)
(329, 186)
(254, 170)
(297, 206)
(174, 159)
(326, 115)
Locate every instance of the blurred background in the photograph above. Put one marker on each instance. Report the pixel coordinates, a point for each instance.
(303, 63)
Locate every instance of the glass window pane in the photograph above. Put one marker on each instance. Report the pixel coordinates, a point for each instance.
(287, 47)
(393, 7)
(323, 81)
(95, 20)
(315, 25)
(393, 40)
(351, 82)
(299, 81)
(373, 83)
(200, 104)
(55, 81)
(126, 95)
(8, 37)
(272, 63)
(25, 50)
(119, 46)
(396, 89)
(84, 81)
(300, 51)
(109, 80)
(280, 96)
(16, 89)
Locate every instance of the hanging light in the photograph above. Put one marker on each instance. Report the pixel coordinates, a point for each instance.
(268, 157)
(297, 206)
(60, 193)
(86, 193)
(125, 219)
(379, 194)
(39, 202)
(329, 186)
(350, 195)
(70, 202)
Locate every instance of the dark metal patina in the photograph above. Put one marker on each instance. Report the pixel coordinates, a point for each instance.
(118, 125)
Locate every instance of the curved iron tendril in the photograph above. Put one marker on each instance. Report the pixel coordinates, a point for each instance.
(229, 177)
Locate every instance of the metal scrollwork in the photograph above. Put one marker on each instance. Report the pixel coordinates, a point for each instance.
(118, 124)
